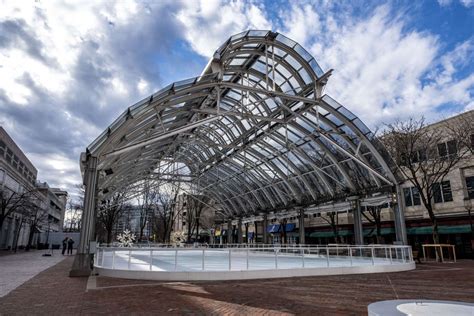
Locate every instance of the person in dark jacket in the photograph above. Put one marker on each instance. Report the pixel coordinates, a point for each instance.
(65, 244)
(70, 242)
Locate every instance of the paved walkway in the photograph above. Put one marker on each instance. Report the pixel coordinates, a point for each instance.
(52, 292)
(16, 269)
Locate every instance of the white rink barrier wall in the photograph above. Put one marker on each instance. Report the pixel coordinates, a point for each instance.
(268, 261)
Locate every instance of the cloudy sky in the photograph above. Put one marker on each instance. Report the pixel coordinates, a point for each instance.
(67, 69)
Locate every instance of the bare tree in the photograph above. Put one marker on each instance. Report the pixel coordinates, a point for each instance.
(37, 215)
(195, 205)
(166, 210)
(75, 212)
(373, 214)
(332, 218)
(74, 209)
(20, 220)
(13, 202)
(108, 214)
(145, 207)
(424, 156)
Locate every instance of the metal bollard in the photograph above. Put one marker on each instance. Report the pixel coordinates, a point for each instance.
(247, 258)
(372, 252)
(350, 255)
(230, 259)
(113, 259)
(327, 255)
(175, 259)
(203, 258)
(276, 258)
(151, 260)
(302, 256)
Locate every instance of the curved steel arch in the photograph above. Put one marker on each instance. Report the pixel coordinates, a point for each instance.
(255, 125)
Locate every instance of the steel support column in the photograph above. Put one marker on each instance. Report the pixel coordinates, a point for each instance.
(221, 237)
(265, 224)
(247, 233)
(301, 226)
(255, 236)
(358, 232)
(82, 265)
(239, 231)
(230, 236)
(399, 216)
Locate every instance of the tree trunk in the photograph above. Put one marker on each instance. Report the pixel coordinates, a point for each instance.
(189, 232)
(379, 232)
(141, 233)
(17, 235)
(197, 229)
(434, 222)
(336, 234)
(109, 236)
(30, 236)
(2, 219)
(435, 232)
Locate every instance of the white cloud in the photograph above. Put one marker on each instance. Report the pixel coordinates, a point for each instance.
(465, 3)
(381, 71)
(301, 24)
(208, 23)
(444, 3)
(68, 69)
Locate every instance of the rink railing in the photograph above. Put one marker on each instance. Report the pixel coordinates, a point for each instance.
(330, 255)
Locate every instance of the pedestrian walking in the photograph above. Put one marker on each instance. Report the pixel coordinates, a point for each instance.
(65, 240)
(70, 242)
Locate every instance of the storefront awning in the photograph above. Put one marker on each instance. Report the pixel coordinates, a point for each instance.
(443, 230)
(345, 232)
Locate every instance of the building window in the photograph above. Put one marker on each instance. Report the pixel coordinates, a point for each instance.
(419, 156)
(9, 156)
(2, 148)
(447, 149)
(470, 187)
(442, 192)
(412, 196)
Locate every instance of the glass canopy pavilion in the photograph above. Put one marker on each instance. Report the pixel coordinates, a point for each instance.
(254, 132)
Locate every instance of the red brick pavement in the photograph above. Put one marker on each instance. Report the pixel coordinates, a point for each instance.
(52, 292)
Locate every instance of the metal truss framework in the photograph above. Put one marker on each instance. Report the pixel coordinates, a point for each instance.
(254, 132)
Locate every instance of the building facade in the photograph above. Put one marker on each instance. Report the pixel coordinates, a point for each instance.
(34, 205)
(55, 201)
(17, 176)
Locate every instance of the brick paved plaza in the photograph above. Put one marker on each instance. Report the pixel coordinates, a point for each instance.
(52, 292)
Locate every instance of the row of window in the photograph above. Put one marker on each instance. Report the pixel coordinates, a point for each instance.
(15, 162)
(445, 149)
(442, 192)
